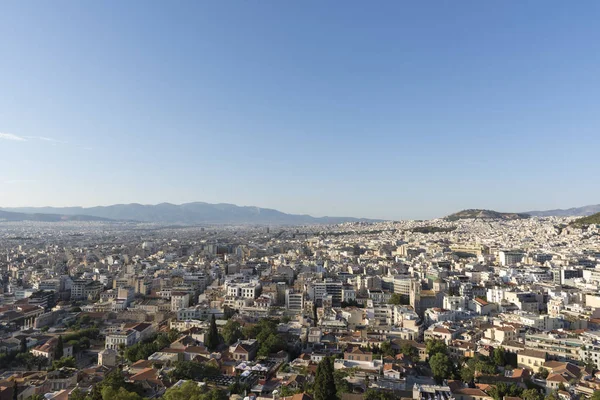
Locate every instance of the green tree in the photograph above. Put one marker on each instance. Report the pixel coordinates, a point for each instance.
(188, 391)
(441, 366)
(395, 299)
(590, 365)
(341, 384)
(25, 359)
(372, 394)
(232, 331)
(77, 394)
(193, 370)
(500, 390)
(553, 395)
(531, 394)
(467, 374)
(272, 344)
(596, 395)
(68, 362)
(499, 358)
(324, 380)
(386, 349)
(23, 344)
(108, 393)
(84, 343)
(409, 351)
(211, 341)
(59, 348)
(435, 346)
(543, 373)
(15, 394)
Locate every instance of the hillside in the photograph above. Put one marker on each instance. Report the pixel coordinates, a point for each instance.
(485, 214)
(19, 216)
(191, 213)
(590, 220)
(567, 212)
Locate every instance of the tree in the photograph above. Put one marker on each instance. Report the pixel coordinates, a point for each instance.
(272, 344)
(467, 374)
(372, 394)
(211, 341)
(543, 373)
(59, 348)
(108, 393)
(193, 370)
(15, 395)
(554, 396)
(65, 362)
(188, 391)
(25, 359)
(387, 350)
(191, 391)
(77, 394)
(435, 346)
(341, 384)
(84, 343)
(590, 365)
(500, 390)
(596, 395)
(232, 331)
(23, 344)
(531, 394)
(325, 381)
(395, 299)
(441, 366)
(499, 358)
(410, 352)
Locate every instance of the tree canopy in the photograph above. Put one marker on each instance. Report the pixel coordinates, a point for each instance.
(191, 391)
(441, 366)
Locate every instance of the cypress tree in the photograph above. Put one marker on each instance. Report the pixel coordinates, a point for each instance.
(59, 349)
(212, 337)
(23, 344)
(324, 381)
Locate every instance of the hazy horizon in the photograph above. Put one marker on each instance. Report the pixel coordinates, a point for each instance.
(389, 110)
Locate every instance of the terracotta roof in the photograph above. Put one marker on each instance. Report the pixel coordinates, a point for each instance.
(557, 378)
(472, 392)
(532, 353)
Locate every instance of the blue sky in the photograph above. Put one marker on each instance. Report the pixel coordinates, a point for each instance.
(373, 109)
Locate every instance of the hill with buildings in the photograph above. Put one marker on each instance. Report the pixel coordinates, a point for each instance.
(589, 220)
(191, 213)
(567, 212)
(485, 214)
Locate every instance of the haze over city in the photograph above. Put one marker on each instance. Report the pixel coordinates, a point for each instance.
(389, 110)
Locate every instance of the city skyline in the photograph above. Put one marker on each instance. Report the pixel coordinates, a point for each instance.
(392, 111)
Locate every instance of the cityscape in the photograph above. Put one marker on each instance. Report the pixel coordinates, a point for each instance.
(478, 305)
(299, 200)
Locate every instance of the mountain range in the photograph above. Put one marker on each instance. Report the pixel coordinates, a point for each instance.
(568, 212)
(40, 217)
(189, 213)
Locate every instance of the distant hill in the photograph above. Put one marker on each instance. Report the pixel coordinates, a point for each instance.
(567, 212)
(18, 216)
(485, 214)
(191, 213)
(589, 220)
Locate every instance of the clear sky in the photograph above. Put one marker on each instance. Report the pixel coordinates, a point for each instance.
(374, 109)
